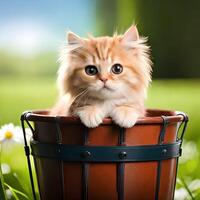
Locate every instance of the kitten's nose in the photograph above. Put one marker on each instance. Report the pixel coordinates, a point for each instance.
(103, 79)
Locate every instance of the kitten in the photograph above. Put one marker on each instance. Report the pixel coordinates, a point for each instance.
(104, 77)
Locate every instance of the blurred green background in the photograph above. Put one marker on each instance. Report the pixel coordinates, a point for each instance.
(31, 33)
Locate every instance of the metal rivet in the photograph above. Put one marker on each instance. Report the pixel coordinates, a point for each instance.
(164, 151)
(122, 155)
(85, 154)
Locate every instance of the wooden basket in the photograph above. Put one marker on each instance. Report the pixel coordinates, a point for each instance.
(73, 162)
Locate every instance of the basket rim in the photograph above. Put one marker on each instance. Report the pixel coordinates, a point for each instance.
(154, 116)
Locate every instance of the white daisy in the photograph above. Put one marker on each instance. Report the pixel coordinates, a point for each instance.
(190, 152)
(9, 194)
(13, 134)
(5, 168)
(181, 194)
(194, 185)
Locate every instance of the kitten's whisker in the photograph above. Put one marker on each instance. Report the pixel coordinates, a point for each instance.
(77, 99)
(79, 94)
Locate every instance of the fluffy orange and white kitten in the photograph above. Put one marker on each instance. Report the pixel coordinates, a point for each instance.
(104, 77)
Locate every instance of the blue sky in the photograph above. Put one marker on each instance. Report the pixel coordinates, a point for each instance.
(29, 25)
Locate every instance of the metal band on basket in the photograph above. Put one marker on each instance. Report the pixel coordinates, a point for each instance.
(105, 153)
(120, 165)
(159, 163)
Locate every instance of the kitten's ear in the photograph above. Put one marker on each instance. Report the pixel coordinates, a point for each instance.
(130, 35)
(72, 38)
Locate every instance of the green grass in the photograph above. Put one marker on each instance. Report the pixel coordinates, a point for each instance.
(18, 95)
(18, 178)
(181, 95)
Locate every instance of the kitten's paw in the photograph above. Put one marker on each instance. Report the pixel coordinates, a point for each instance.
(124, 116)
(91, 116)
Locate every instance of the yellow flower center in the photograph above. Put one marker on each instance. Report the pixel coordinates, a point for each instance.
(8, 134)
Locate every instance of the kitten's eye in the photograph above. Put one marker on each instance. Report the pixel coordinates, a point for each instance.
(117, 68)
(91, 70)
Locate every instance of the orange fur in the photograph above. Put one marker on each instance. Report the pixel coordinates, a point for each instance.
(122, 95)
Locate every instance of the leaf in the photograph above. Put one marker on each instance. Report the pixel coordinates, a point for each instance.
(15, 192)
(187, 188)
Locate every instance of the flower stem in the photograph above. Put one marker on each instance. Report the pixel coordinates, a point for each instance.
(2, 189)
(187, 188)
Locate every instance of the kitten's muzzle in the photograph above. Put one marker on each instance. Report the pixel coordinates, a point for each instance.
(106, 87)
(103, 79)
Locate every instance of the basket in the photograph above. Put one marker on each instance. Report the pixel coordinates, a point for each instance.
(74, 162)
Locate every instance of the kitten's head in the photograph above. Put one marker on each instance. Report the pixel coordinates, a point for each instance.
(105, 67)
